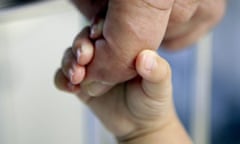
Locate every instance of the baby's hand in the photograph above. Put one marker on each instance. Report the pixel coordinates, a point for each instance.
(74, 62)
(137, 111)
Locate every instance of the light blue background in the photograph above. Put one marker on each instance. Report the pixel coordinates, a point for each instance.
(225, 110)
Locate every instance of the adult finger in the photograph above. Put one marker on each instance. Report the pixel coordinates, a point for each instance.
(190, 36)
(129, 27)
(208, 14)
(183, 10)
(90, 8)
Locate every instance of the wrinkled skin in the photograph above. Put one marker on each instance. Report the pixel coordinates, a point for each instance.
(190, 20)
(131, 26)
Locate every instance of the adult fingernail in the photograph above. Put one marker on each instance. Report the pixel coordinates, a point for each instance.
(149, 62)
(97, 88)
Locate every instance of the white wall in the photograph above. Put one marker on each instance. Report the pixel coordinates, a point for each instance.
(32, 111)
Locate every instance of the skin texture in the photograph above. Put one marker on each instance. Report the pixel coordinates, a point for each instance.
(132, 26)
(124, 35)
(133, 84)
(190, 20)
(137, 111)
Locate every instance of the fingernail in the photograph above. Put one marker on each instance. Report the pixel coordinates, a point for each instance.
(70, 74)
(85, 48)
(96, 29)
(79, 55)
(149, 62)
(97, 88)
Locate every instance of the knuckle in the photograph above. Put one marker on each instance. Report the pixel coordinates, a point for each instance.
(218, 15)
(183, 10)
(212, 11)
(159, 4)
(181, 16)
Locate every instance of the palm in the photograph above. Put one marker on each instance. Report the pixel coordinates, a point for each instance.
(125, 108)
(144, 102)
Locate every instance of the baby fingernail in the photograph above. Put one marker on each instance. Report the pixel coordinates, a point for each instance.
(93, 31)
(85, 49)
(149, 62)
(79, 53)
(70, 74)
(96, 29)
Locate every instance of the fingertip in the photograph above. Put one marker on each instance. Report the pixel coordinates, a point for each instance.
(151, 67)
(74, 72)
(96, 29)
(83, 47)
(156, 82)
(78, 74)
(63, 84)
(84, 52)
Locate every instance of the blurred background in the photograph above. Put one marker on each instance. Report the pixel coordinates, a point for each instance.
(33, 37)
(35, 33)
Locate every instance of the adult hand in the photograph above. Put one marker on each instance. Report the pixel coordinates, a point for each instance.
(190, 20)
(131, 26)
(90, 8)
